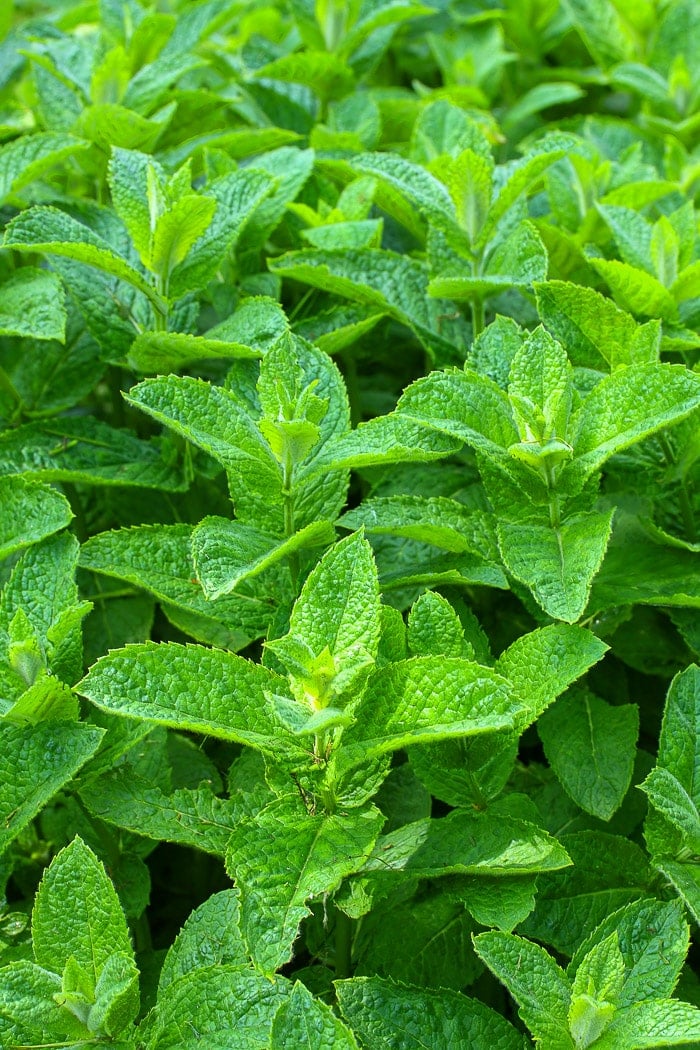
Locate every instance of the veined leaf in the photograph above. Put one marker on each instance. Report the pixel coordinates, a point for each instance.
(29, 156)
(29, 513)
(31, 304)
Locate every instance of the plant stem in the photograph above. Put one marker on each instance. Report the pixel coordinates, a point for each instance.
(477, 317)
(343, 944)
(289, 529)
(686, 507)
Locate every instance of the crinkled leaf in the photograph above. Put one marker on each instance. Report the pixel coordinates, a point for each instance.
(280, 860)
(307, 1023)
(29, 512)
(210, 937)
(31, 304)
(29, 156)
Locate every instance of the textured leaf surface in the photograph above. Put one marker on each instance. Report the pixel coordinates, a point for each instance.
(189, 687)
(661, 1022)
(157, 558)
(627, 406)
(232, 1009)
(49, 230)
(36, 762)
(468, 843)
(539, 987)
(31, 304)
(544, 663)
(557, 564)
(402, 1018)
(226, 552)
(77, 914)
(192, 817)
(210, 937)
(443, 522)
(307, 1023)
(427, 699)
(85, 450)
(280, 860)
(28, 513)
(591, 746)
(30, 1015)
(29, 156)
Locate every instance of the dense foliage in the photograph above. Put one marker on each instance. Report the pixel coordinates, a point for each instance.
(349, 524)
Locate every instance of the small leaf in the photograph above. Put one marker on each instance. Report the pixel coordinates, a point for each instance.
(31, 305)
(40, 510)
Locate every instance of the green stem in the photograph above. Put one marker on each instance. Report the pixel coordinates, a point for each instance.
(142, 933)
(477, 317)
(353, 387)
(7, 386)
(79, 521)
(289, 528)
(343, 945)
(554, 505)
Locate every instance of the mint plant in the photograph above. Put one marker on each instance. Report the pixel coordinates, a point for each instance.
(349, 521)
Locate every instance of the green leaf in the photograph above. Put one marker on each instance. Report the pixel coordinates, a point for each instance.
(601, 28)
(403, 1018)
(77, 914)
(590, 326)
(434, 629)
(178, 229)
(557, 564)
(653, 939)
(226, 552)
(443, 522)
(654, 1023)
(49, 230)
(209, 691)
(608, 872)
(669, 798)
(591, 746)
(213, 419)
(37, 760)
(85, 450)
(304, 856)
(467, 842)
(636, 290)
(31, 304)
(385, 280)
(30, 1015)
(627, 406)
(30, 513)
(157, 558)
(305, 1021)
(545, 662)
(424, 700)
(539, 987)
(227, 1007)
(338, 609)
(385, 440)
(189, 816)
(29, 156)
(210, 937)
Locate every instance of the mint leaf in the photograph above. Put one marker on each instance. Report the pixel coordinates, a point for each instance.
(210, 937)
(590, 745)
(40, 510)
(31, 304)
(305, 856)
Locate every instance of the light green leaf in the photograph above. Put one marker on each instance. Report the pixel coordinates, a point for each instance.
(646, 930)
(424, 700)
(170, 351)
(591, 746)
(669, 798)
(524, 177)
(30, 1015)
(304, 856)
(237, 197)
(590, 326)
(654, 1023)
(545, 662)
(307, 1023)
(443, 522)
(189, 816)
(178, 229)
(434, 629)
(602, 30)
(399, 1017)
(157, 558)
(29, 512)
(385, 440)
(77, 914)
(468, 842)
(209, 691)
(85, 450)
(31, 304)
(499, 901)
(49, 230)
(226, 552)
(225, 1006)
(29, 156)
(213, 419)
(685, 878)
(37, 760)
(210, 937)
(557, 563)
(132, 178)
(636, 290)
(385, 280)
(539, 987)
